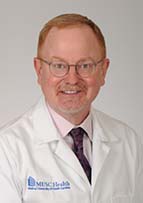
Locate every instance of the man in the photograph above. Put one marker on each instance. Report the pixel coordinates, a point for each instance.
(63, 150)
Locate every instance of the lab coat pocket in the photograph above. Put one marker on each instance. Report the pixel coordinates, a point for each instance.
(122, 199)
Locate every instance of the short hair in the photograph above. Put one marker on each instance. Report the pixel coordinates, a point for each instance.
(66, 20)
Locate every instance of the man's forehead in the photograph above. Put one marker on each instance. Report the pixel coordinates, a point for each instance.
(71, 41)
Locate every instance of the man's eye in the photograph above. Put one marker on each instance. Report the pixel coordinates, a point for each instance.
(58, 66)
(86, 65)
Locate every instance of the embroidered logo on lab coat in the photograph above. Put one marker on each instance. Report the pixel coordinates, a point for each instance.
(34, 184)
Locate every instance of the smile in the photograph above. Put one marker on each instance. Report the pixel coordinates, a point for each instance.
(70, 92)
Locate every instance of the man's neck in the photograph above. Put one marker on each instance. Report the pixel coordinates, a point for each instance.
(76, 118)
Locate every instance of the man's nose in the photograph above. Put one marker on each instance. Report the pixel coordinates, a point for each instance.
(72, 75)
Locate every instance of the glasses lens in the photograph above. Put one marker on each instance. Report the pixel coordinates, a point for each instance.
(58, 69)
(85, 69)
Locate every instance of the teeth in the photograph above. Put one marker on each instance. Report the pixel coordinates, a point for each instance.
(70, 92)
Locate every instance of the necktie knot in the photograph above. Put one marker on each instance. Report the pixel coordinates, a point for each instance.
(77, 135)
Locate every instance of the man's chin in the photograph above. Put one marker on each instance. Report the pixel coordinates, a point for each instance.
(71, 110)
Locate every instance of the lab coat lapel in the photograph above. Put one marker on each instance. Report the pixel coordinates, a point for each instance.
(103, 140)
(67, 155)
(100, 153)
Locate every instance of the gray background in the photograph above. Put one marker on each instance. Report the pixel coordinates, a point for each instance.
(122, 24)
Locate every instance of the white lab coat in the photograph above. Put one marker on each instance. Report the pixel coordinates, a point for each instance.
(37, 166)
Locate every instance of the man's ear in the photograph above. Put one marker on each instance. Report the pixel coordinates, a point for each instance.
(105, 67)
(38, 69)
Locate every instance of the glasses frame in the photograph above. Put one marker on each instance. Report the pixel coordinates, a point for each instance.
(69, 65)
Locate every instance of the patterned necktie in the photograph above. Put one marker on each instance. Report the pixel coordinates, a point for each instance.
(77, 135)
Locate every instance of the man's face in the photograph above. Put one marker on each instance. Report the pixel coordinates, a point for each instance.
(72, 94)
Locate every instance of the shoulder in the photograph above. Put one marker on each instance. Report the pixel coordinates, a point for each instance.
(112, 126)
(14, 133)
(31, 127)
(18, 128)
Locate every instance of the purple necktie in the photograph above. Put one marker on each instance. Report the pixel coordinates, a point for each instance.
(77, 135)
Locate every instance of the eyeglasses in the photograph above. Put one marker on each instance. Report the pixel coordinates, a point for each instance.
(83, 68)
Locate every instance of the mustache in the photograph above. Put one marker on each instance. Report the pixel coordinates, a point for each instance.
(71, 87)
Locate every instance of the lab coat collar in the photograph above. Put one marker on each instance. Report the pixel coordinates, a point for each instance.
(41, 121)
(101, 129)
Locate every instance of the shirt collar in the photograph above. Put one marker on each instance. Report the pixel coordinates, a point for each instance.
(64, 126)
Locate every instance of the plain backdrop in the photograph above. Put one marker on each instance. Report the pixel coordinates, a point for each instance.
(122, 25)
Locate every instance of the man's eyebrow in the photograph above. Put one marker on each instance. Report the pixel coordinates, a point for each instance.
(58, 58)
(80, 60)
(85, 59)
